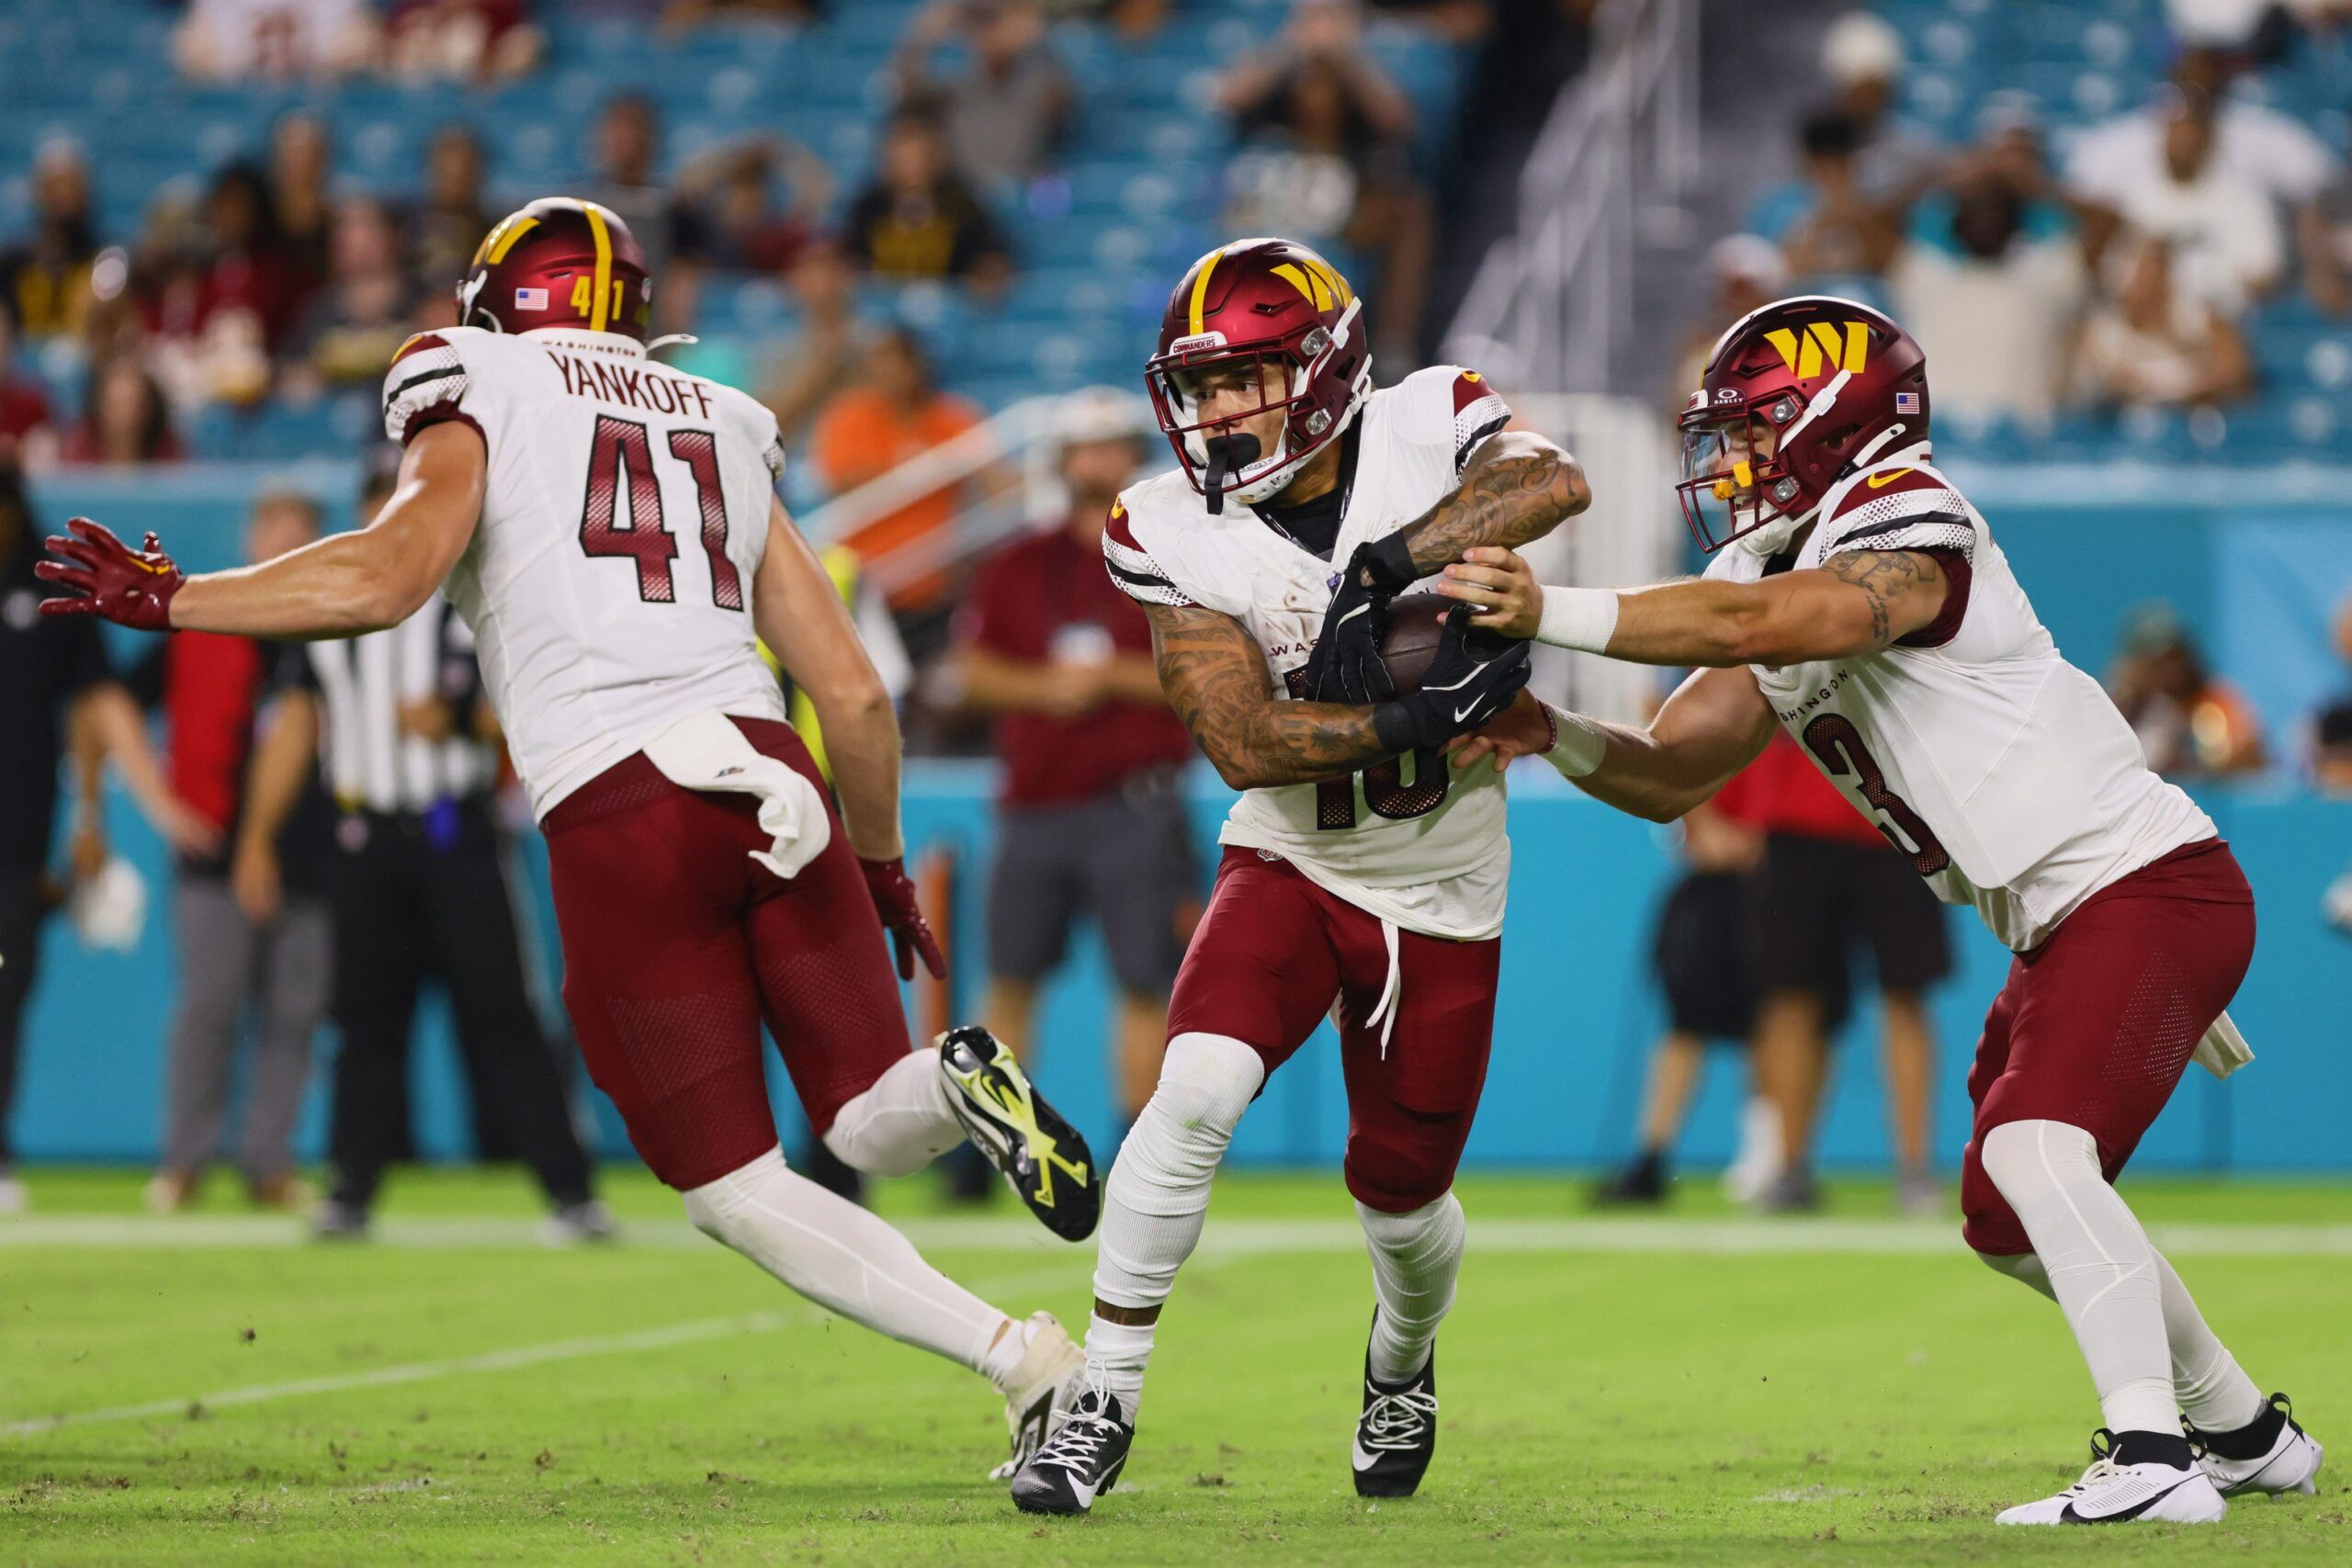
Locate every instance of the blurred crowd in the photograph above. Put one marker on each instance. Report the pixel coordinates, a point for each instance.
(2110, 269)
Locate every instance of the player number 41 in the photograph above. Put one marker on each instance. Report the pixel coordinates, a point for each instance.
(624, 445)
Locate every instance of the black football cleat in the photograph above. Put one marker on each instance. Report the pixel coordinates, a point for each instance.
(1079, 1462)
(1641, 1185)
(1042, 1156)
(1397, 1433)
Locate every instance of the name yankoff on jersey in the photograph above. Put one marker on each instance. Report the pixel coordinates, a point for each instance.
(1790, 715)
(632, 385)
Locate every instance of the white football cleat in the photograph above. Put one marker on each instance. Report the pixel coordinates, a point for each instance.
(1046, 1382)
(2137, 1476)
(2271, 1455)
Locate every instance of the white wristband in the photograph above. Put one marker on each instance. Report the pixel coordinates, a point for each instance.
(1580, 618)
(1578, 746)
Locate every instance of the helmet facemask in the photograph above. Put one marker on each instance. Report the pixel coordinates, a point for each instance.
(1735, 484)
(1219, 455)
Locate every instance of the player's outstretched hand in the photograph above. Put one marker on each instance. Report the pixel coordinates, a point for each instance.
(1346, 666)
(1500, 589)
(102, 576)
(1472, 677)
(1522, 729)
(894, 899)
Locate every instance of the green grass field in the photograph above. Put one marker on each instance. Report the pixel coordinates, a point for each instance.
(1694, 1389)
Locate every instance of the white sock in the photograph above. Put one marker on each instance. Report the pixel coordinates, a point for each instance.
(1415, 1259)
(2100, 1265)
(900, 1124)
(2214, 1394)
(848, 1261)
(1159, 1193)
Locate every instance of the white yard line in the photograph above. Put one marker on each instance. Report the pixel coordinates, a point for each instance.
(1234, 1237)
(802, 1315)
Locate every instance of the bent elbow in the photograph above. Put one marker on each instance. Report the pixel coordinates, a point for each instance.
(1236, 773)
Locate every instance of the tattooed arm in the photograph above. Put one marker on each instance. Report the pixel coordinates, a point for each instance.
(1856, 602)
(1517, 488)
(1216, 679)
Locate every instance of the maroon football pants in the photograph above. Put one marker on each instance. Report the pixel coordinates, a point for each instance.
(2096, 1025)
(1270, 958)
(677, 946)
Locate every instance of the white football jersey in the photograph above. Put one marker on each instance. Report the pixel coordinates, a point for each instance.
(1410, 840)
(2003, 771)
(608, 584)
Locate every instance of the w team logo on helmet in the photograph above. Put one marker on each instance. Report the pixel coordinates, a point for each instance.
(1288, 322)
(1796, 395)
(559, 263)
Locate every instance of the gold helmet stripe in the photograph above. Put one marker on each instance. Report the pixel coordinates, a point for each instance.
(501, 239)
(604, 265)
(1201, 288)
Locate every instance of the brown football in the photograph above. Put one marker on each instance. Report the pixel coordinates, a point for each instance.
(1416, 625)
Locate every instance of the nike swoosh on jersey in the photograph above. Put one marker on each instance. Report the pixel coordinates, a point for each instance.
(1880, 481)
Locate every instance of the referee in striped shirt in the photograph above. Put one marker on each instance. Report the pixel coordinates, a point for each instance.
(417, 881)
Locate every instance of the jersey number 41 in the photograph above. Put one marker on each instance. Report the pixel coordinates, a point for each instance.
(624, 443)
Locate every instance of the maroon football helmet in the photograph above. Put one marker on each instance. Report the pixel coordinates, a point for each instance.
(1796, 395)
(1287, 318)
(559, 263)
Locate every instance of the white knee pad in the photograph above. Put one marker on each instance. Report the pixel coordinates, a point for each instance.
(1205, 1083)
(1158, 1190)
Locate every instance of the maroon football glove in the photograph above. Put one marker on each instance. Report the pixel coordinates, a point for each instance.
(103, 576)
(894, 898)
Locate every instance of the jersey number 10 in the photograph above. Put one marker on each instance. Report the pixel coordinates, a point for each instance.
(1385, 789)
(624, 443)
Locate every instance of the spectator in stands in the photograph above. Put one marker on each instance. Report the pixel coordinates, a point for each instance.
(679, 15)
(1005, 111)
(462, 40)
(1997, 307)
(1327, 160)
(755, 203)
(45, 279)
(2223, 231)
(1826, 224)
(251, 266)
(829, 353)
(2147, 344)
(125, 420)
(252, 929)
(1748, 273)
(275, 40)
(449, 223)
(2331, 726)
(866, 432)
(1862, 55)
(2190, 722)
(301, 166)
(919, 219)
(628, 181)
(27, 432)
(351, 328)
(2257, 151)
(1090, 813)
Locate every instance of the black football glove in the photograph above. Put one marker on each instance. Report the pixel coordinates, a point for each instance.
(1473, 678)
(1346, 665)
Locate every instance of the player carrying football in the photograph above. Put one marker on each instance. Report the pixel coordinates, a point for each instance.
(1358, 880)
(703, 883)
(1866, 608)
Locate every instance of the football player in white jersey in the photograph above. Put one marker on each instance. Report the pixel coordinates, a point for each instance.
(1358, 880)
(703, 883)
(1864, 605)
